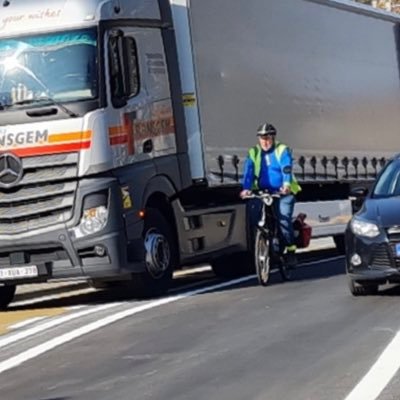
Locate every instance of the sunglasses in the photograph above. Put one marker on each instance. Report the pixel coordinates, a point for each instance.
(266, 137)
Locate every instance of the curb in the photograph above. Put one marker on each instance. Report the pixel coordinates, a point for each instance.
(28, 292)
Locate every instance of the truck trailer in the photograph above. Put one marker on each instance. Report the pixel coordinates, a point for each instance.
(124, 126)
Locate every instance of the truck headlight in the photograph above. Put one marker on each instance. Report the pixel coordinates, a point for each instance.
(94, 217)
(364, 228)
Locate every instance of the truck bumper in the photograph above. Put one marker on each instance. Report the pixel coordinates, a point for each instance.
(101, 257)
(59, 254)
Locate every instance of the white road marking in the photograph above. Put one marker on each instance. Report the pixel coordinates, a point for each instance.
(29, 321)
(380, 374)
(76, 333)
(59, 296)
(42, 299)
(52, 323)
(186, 272)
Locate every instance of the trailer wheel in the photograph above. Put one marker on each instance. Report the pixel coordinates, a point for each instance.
(6, 295)
(160, 257)
(233, 265)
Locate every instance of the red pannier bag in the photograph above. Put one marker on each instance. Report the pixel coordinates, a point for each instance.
(302, 231)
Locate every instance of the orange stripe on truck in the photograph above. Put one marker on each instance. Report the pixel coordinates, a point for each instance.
(55, 143)
(69, 137)
(117, 130)
(118, 135)
(51, 149)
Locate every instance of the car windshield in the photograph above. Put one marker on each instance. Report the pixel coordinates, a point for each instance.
(388, 184)
(61, 66)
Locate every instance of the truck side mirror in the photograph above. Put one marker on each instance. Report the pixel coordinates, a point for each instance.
(130, 66)
(117, 68)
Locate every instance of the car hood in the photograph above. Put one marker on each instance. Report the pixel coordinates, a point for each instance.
(384, 212)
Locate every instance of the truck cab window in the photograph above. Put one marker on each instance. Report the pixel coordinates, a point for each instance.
(124, 76)
(61, 65)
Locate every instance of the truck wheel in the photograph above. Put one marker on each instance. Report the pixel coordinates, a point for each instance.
(233, 266)
(160, 257)
(359, 289)
(340, 243)
(6, 295)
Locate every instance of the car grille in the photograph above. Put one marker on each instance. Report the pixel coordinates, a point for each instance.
(45, 196)
(381, 258)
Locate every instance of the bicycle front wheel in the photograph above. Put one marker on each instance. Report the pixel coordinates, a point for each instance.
(262, 258)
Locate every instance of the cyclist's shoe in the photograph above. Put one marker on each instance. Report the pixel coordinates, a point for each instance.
(291, 259)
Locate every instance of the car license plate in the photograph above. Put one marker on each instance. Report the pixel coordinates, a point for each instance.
(29, 271)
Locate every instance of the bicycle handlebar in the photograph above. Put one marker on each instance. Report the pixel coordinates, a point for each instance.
(267, 197)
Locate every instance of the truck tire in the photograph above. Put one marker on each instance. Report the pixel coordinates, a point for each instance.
(233, 265)
(360, 289)
(160, 257)
(340, 243)
(6, 295)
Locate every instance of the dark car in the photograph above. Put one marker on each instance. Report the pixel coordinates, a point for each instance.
(373, 234)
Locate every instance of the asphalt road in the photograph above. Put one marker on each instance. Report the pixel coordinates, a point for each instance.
(306, 339)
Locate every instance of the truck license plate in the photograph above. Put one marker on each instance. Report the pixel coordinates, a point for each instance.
(19, 272)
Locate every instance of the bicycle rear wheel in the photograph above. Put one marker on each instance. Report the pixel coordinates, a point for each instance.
(262, 259)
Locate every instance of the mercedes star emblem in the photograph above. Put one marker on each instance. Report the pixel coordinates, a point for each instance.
(11, 170)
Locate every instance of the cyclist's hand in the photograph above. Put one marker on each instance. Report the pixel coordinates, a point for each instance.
(285, 190)
(245, 193)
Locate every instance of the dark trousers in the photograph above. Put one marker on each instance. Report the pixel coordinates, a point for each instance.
(284, 208)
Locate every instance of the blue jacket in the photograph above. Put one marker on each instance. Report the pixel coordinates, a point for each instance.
(274, 173)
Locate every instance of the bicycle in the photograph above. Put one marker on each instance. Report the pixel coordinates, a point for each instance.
(268, 244)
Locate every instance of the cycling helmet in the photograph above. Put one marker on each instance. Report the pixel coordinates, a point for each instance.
(266, 129)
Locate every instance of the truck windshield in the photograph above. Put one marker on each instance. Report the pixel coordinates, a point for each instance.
(61, 66)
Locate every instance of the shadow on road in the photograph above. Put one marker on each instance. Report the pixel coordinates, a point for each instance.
(312, 266)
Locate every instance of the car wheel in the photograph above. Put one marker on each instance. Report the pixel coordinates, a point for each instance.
(363, 289)
(6, 295)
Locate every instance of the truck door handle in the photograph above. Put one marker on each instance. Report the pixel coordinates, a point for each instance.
(42, 113)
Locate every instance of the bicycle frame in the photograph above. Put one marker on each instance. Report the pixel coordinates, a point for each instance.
(268, 232)
(268, 222)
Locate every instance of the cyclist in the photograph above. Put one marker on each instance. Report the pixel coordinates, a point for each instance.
(269, 166)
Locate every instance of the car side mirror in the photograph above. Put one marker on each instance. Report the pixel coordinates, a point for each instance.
(357, 197)
(359, 192)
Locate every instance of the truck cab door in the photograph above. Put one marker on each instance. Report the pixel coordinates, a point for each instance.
(140, 107)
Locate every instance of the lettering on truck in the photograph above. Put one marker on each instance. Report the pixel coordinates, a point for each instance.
(10, 139)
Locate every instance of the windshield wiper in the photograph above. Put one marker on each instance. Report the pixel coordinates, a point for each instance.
(48, 99)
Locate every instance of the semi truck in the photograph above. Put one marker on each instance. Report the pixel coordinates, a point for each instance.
(124, 126)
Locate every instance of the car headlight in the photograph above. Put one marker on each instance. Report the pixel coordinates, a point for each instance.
(364, 228)
(95, 215)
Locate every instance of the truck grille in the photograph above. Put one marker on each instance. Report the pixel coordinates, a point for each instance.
(45, 196)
